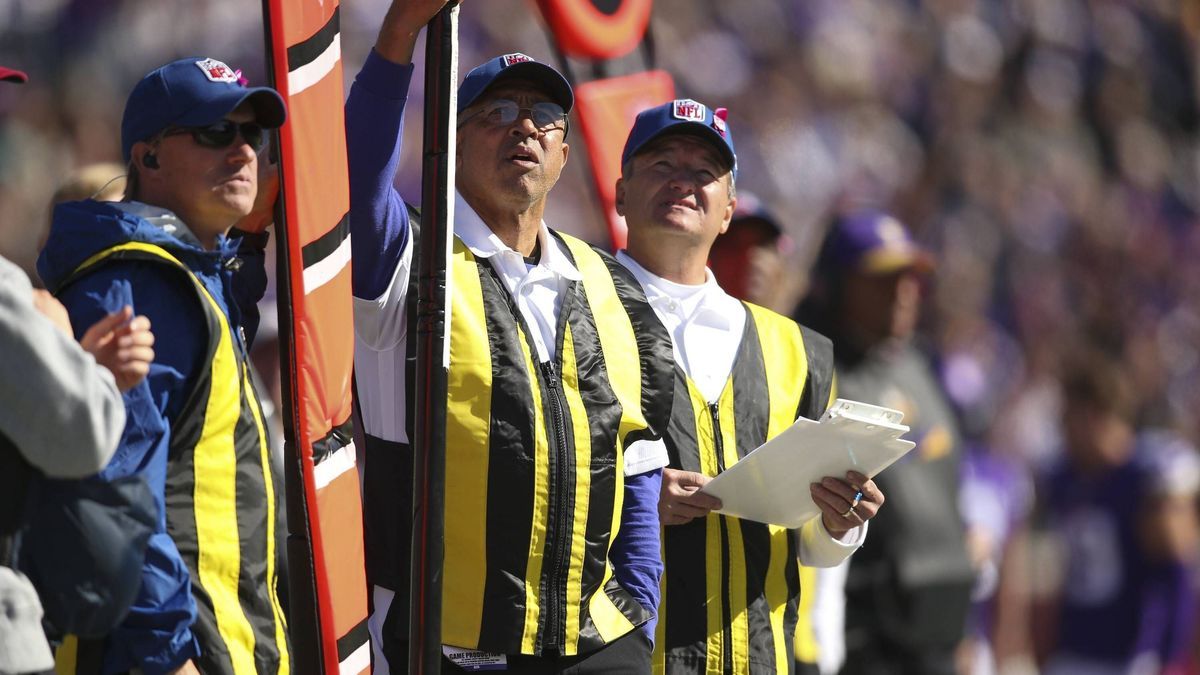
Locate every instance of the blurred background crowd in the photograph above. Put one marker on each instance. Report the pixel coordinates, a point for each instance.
(1044, 151)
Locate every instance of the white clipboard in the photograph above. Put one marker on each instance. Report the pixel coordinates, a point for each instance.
(771, 483)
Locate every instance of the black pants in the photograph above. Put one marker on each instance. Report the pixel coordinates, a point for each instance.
(627, 655)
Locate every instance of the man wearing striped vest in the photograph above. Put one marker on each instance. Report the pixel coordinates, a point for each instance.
(191, 136)
(559, 385)
(743, 374)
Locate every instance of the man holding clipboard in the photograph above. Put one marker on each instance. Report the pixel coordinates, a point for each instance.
(743, 375)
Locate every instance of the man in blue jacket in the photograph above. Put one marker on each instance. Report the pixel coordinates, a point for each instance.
(191, 135)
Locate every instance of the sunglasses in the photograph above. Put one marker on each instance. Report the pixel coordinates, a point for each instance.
(546, 116)
(222, 134)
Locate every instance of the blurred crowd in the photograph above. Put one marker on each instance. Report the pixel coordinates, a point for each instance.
(1045, 152)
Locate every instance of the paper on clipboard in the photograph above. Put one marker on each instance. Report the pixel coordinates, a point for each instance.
(770, 484)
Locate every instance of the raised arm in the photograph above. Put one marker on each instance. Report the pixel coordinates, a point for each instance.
(374, 128)
(398, 34)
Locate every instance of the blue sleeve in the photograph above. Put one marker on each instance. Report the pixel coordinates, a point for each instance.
(374, 130)
(636, 553)
(156, 635)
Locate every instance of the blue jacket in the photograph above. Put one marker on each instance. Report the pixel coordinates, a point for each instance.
(156, 635)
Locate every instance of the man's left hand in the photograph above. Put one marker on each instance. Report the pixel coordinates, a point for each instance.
(263, 213)
(846, 504)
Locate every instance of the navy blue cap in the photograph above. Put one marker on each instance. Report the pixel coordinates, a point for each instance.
(872, 242)
(192, 92)
(515, 66)
(682, 116)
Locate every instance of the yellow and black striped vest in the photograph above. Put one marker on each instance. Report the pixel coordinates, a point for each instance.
(731, 587)
(534, 462)
(220, 497)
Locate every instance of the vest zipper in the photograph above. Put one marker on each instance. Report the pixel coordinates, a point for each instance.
(718, 441)
(560, 497)
(726, 618)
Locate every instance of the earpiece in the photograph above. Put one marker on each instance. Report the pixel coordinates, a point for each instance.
(150, 161)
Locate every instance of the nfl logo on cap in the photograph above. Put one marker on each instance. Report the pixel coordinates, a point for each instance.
(216, 71)
(689, 111)
(510, 59)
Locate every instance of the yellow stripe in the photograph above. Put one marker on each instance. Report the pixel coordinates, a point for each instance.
(736, 574)
(583, 486)
(269, 485)
(805, 643)
(609, 621)
(468, 416)
(215, 469)
(704, 430)
(66, 655)
(215, 475)
(777, 593)
(541, 506)
(615, 332)
(728, 437)
(714, 574)
(783, 348)
(131, 246)
(787, 370)
(739, 615)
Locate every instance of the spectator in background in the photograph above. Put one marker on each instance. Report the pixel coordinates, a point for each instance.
(908, 588)
(749, 258)
(104, 182)
(190, 136)
(1123, 506)
(995, 499)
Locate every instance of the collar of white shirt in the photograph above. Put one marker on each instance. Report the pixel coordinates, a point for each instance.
(484, 243)
(705, 322)
(705, 304)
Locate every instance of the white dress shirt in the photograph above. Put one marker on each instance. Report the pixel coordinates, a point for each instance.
(705, 323)
(538, 289)
(381, 327)
(706, 326)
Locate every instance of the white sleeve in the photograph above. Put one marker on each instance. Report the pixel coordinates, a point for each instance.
(645, 455)
(380, 343)
(382, 323)
(819, 549)
(827, 613)
(57, 405)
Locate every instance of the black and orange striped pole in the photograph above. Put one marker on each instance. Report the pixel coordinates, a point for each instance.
(328, 598)
(433, 348)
